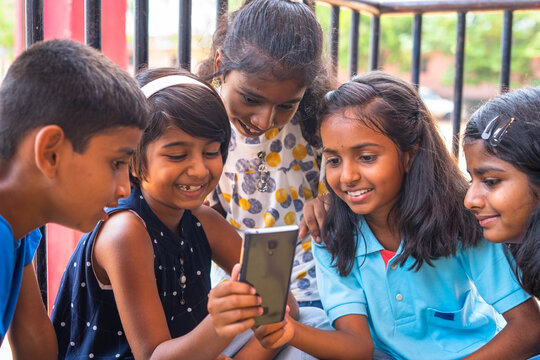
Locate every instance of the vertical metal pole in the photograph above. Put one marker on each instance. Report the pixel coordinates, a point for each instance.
(141, 34)
(374, 42)
(506, 50)
(222, 7)
(184, 35)
(92, 23)
(334, 36)
(416, 50)
(34, 33)
(34, 21)
(353, 43)
(458, 85)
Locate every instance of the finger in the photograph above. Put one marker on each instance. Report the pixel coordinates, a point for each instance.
(206, 202)
(235, 272)
(226, 318)
(228, 288)
(233, 329)
(303, 229)
(228, 303)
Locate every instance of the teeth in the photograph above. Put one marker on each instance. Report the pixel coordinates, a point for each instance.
(189, 187)
(359, 192)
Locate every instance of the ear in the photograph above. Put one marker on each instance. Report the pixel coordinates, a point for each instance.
(48, 145)
(218, 65)
(408, 156)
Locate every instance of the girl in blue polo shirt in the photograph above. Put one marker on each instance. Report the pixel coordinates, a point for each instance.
(501, 145)
(403, 271)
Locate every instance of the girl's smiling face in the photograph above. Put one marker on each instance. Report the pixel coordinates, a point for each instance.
(181, 171)
(501, 196)
(363, 167)
(256, 103)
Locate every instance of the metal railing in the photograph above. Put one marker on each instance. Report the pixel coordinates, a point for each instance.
(376, 9)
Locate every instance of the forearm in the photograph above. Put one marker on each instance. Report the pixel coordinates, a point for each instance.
(30, 342)
(201, 343)
(335, 344)
(520, 337)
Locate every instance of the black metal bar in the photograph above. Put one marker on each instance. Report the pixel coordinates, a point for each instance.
(92, 23)
(353, 43)
(34, 33)
(377, 7)
(184, 35)
(416, 50)
(458, 84)
(34, 21)
(506, 51)
(374, 42)
(40, 267)
(222, 7)
(334, 37)
(141, 35)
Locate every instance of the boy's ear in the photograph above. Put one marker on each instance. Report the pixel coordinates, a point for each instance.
(218, 65)
(48, 145)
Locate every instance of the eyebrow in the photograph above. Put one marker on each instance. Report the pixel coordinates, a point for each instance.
(486, 169)
(183, 143)
(356, 147)
(259, 96)
(127, 150)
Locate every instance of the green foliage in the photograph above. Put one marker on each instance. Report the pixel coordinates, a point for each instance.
(7, 16)
(482, 42)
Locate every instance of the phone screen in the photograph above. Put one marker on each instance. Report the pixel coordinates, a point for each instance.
(267, 258)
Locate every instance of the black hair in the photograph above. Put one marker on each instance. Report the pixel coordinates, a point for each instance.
(71, 85)
(194, 109)
(429, 213)
(277, 37)
(519, 146)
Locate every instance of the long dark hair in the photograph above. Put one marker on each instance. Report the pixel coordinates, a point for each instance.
(520, 147)
(429, 212)
(194, 109)
(277, 37)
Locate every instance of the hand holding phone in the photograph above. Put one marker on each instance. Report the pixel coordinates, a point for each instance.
(267, 258)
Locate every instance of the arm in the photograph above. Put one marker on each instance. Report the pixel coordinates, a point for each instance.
(350, 340)
(226, 246)
(520, 337)
(124, 257)
(31, 334)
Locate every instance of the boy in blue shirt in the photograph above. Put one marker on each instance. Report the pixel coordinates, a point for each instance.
(69, 121)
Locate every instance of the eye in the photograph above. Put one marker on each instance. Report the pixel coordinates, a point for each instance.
(249, 100)
(286, 106)
(176, 157)
(333, 162)
(119, 164)
(368, 158)
(212, 154)
(491, 182)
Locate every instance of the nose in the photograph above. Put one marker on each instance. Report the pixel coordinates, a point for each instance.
(197, 167)
(264, 119)
(474, 198)
(123, 187)
(349, 173)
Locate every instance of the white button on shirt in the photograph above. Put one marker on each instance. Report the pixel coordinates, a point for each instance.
(399, 297)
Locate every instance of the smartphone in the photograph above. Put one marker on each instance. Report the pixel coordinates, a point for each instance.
(267, 259)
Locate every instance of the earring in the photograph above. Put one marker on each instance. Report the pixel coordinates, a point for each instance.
(216, 83)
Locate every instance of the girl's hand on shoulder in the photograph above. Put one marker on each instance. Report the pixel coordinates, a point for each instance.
(232, 305)
(314, 214)
(273, 336)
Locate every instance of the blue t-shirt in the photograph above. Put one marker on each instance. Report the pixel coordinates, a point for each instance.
(14, 256)
(444, 311)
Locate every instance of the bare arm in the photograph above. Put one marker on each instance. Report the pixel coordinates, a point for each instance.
(124, 252)
(31, 334)
(314, 212)
(520, 338)
(351, 339)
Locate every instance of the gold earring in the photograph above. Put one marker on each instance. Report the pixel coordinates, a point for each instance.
(216, 83)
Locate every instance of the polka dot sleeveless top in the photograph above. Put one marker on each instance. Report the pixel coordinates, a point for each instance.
(85, 316)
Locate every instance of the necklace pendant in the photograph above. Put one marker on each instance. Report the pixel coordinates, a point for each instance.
(262, 185)
(182, 302)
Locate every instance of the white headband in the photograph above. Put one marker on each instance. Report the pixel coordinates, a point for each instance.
(164, 82)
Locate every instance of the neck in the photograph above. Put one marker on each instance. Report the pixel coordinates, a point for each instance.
(386, 233)
(168, 215)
